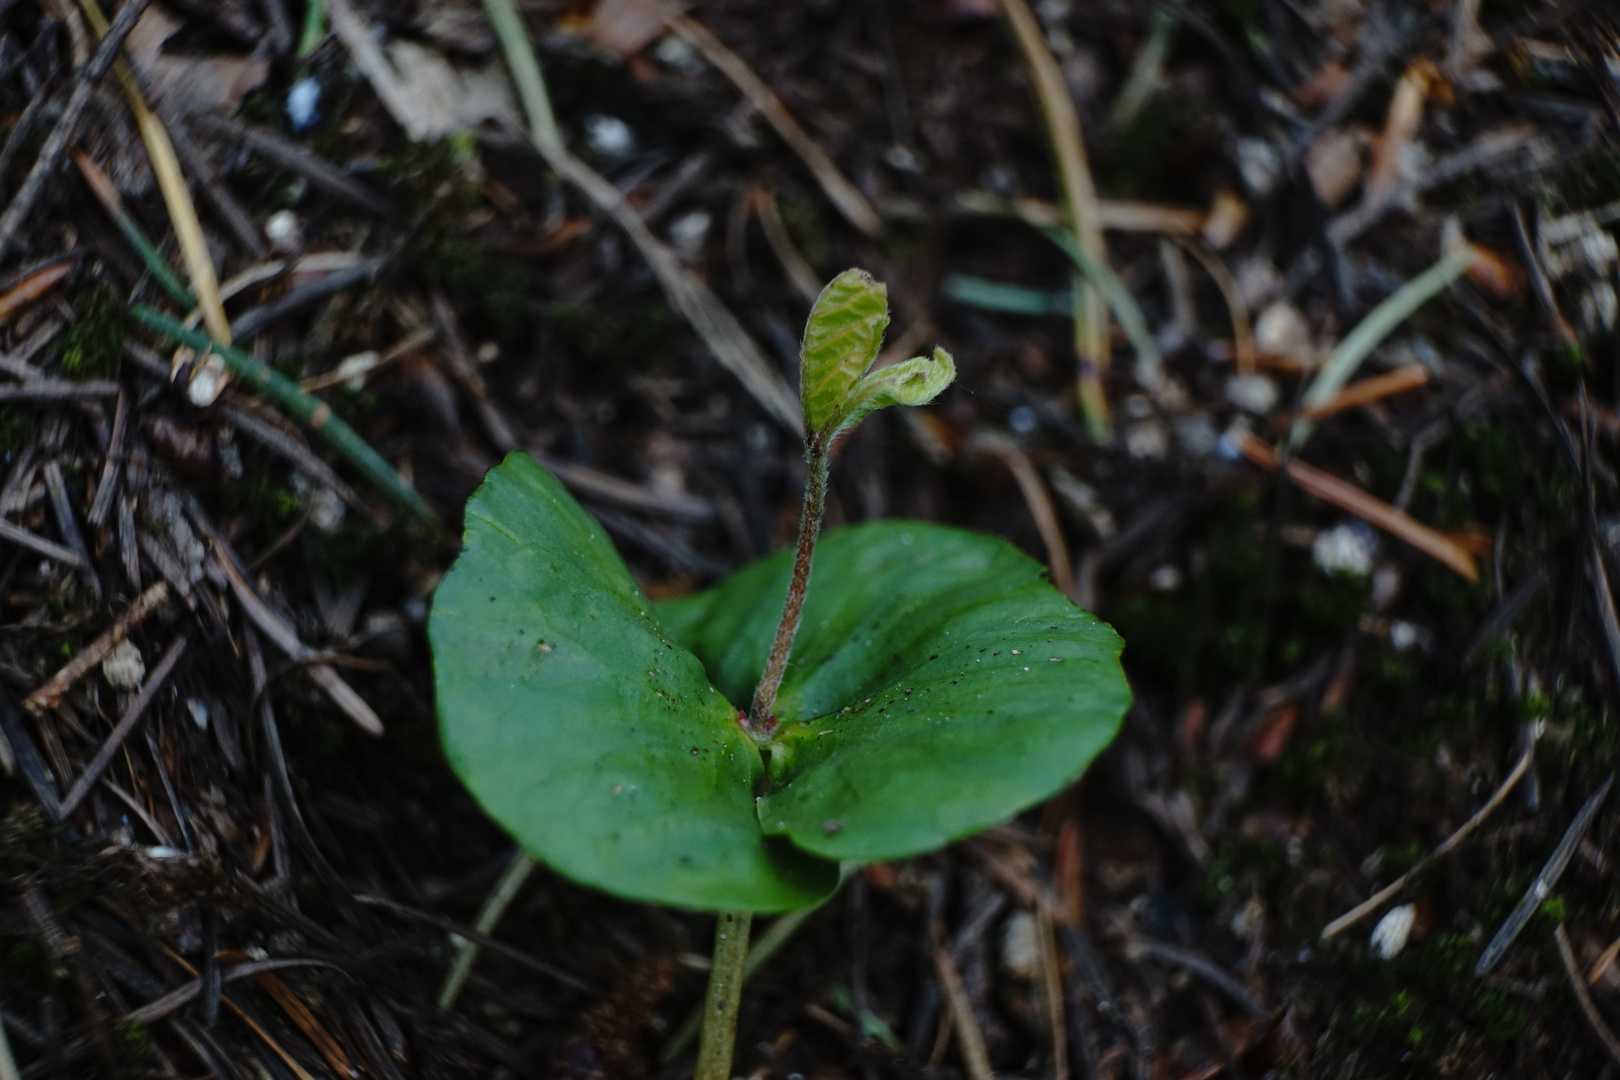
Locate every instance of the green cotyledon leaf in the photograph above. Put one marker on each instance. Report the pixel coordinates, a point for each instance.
(583, 728)
(938, 685)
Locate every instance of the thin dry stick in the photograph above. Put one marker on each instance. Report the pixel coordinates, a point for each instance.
(799, 272)
(1348, 497)
(686, 293)
(126, 724)
(1079, 207)
(1379, 898)
(280, 1051)
(50, 155)
(286, 639)
(1119, 215)
(1242, 333)
(32, 287)
(1035, 495)
(1052, 992)
(1584, 998)
(108, 482)
(47, 696)
(1551, 871)
(176, 196)
(505, 891)
(1367, 391)
(844, 195)
(974, 1056)
(24, 538)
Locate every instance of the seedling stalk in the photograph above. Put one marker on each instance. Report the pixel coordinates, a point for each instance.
(725, 993)
(761, 721)
(731, 935)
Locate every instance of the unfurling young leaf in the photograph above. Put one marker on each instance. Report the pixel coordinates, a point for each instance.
(841, 341)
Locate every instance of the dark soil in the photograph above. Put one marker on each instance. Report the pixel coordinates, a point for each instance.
(1301, 735)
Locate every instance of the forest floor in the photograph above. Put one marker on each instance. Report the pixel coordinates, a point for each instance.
(230, 845)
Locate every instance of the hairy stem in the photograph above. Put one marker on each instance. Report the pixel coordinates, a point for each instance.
(725, 992)
(816, 462)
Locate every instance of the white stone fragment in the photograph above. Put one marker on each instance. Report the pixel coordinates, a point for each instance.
(1147, 440)
(688, 232)
(325, 509)
(123, 666)
(199, 712)
(303, 104)
(1282, 331)
(1166, 578)
(1344, 549)
(1253, 393)
(284, 232)
(609, 136)
(1389, 936)
(1019, 951)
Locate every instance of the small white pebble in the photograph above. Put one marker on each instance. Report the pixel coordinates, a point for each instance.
(1386, 587)
(1259, 165)
(678, 53)
(1344, 549)
(1389, 936)
(1404, 635)
(609, 136)
(303, 104)
(688, 232)
(1147, 440)
(325, 509)
(1282, 330)
(1166, 578)
(1019, 955)
(199, 712)
(123, 666)
(1253, 393)
(284, 232)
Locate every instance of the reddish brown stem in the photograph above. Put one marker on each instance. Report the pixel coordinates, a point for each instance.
(761, 718)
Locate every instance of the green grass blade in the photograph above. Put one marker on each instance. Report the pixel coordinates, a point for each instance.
(292, 397)
(1149, 364)
(1006, 298)
(1371, 331)
(531, 84)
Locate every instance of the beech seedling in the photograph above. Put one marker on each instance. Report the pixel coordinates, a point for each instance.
(727, 751)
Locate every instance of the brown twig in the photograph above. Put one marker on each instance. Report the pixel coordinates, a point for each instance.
(1348, 497)
(1052, 992)
(974, 1055)
(1370, 390)
(31, 288)
(1584, 998)
(48, 695)
(1035, 495)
